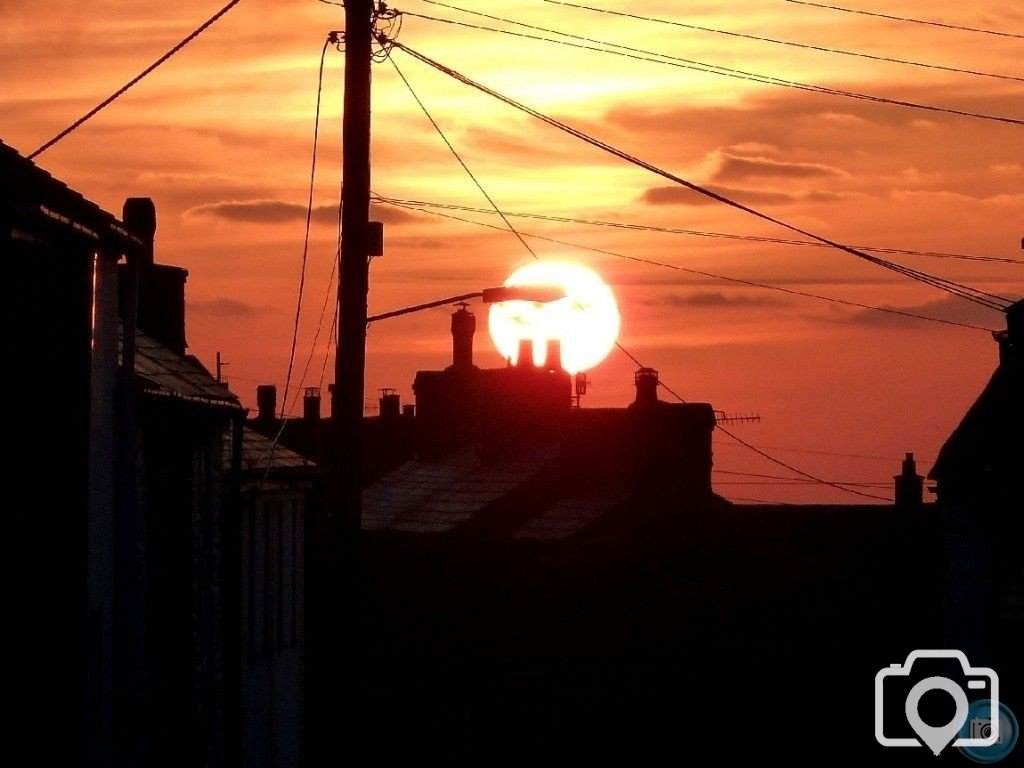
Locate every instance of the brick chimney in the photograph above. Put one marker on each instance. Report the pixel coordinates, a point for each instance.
(390, 403)
(311, 405)
(525, 357)
(646, 381)
(553, 355)
(909, 485)
(161, 287)
(266, 403)
(463, 329)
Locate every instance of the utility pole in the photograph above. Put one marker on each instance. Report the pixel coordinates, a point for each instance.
(350, 357)
(331, 634)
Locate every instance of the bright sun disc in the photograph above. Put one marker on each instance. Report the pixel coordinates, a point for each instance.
(586, 321)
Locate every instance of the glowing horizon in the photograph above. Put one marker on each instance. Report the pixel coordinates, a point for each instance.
(220, 138)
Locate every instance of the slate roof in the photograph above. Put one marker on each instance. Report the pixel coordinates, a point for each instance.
(34, 193)
(438, 496)
(256, 450)
(987, 442)
(166, 373)
(435, 497)
(568, 516)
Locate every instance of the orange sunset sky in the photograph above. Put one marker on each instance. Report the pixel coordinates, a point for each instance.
(220, 136)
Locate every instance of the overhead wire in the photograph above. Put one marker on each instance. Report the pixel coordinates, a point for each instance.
(309, 220)
(704, 273)
(763, 39)
(791, 468)
(762, 476)
(124, 88)
(759, 451)
(458, 157)
(866, 457)
(975, 295)
(700, 233)
(908, 19)
(779, 462)
(715, 69)
(302, 270)
(795, 482)
(479, 186)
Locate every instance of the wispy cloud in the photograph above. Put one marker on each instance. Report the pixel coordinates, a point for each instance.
(683, 196)
(223, 306)
(951, 308)
(717, 300)
(736, 168)
(279, 211)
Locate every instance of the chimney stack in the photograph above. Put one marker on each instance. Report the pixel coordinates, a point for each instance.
(390, 404)
(525, 357)
(909, 486)
(463, 328)
(646, 381)
(266, 403)
(161, 287)
(311, 405)
(139, 216)
(553, 355)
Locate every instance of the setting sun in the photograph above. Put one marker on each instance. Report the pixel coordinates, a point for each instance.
(586, 321)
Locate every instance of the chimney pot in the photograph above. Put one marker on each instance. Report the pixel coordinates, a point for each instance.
(909, 485)
(390, 403)
(311, 405)
(266, 402)
(525, 357)
(139, 216)
(553, 355)
(646, 381)
(463, 328)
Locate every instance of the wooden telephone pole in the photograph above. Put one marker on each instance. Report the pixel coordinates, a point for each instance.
(333, 535)
(350, 357)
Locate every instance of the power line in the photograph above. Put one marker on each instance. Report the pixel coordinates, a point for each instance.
(760, 38)
(867, 457)
(703, 273)
(715, 69)
(483, 191)
(309, 219)
(630, 355)
(332, 340)
(791, 481)
(971, 294)
(908, 19)
(319, 327)
(782, 477)
(120, 91)
(791, 468)
(697, 233)
(461, 162)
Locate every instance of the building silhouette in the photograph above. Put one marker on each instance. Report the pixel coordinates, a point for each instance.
(159, 620)
(978, 484)
(533, 582)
